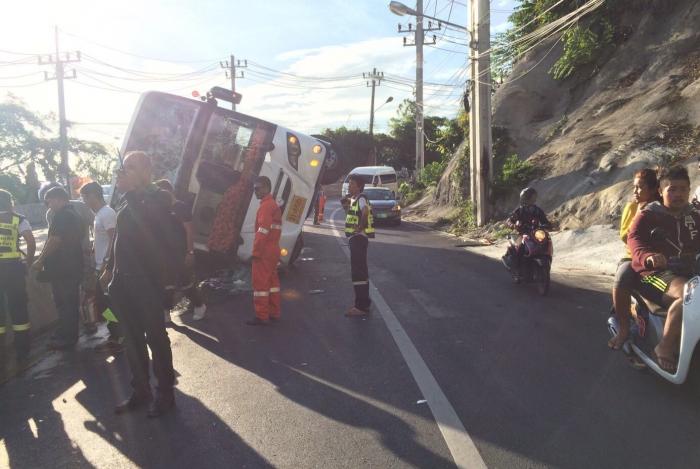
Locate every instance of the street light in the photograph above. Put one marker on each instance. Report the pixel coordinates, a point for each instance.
(388, 100)
(371, 127)
(400, 9)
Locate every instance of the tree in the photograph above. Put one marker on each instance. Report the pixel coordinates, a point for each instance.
(354, 145)
(28, 147)
(442, 135)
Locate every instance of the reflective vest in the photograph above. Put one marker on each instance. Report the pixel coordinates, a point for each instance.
(9, 236)
(352, 220)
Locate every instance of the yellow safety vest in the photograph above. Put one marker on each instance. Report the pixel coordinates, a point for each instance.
(9, 236)
(352, 220)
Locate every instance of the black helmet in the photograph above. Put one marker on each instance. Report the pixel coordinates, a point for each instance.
(528, 196)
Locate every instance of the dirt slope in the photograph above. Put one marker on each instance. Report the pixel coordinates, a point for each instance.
(639, 106)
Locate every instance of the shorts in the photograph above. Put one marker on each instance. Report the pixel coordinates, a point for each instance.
(625, 276)
(654, 286)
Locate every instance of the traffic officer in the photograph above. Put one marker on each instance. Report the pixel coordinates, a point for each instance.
(359, 227)
(266, 255)
(13, 287)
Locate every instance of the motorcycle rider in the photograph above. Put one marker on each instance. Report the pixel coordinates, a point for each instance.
(646, 189)
(524, 219)
(650, 257)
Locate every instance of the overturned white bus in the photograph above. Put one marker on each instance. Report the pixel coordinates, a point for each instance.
(213, 155)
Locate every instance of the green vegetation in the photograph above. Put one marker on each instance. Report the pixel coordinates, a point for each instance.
(464, 220)
(398, 147)
(582, 46)
(29, 147)
(583, 42)
(514, 175)
(431, 174)
(411, 192)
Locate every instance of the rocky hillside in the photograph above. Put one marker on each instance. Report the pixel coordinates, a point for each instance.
(638, 106)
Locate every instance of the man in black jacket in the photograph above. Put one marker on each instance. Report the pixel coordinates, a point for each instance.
(62, 262)
(137, 279)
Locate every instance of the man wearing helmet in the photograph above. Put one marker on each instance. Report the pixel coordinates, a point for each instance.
(524, 219)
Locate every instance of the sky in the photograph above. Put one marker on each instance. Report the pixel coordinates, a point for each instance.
(305, 58)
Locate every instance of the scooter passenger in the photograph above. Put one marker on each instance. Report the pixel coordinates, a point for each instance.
(650, 257)
(646, 189)
(524, 219)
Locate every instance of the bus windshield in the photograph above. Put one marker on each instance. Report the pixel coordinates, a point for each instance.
(226, 139)
(161, 129)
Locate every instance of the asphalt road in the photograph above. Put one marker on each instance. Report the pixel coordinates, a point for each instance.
(453, 355)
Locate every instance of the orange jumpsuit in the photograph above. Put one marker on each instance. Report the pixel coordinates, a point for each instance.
(266, 255)
(321, 205)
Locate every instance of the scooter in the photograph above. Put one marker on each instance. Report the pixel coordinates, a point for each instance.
(647, 330)
(536, 262)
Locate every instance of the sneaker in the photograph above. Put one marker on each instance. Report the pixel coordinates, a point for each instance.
(199, 312)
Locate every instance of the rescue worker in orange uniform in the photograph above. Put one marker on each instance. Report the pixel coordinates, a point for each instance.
(319, 207)
(266, 255)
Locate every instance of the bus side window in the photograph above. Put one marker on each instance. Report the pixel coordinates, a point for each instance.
(285, 194)
(277, 184)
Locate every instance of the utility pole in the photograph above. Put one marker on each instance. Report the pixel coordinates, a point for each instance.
(376, 79)
(231, 72)
(418, 43)
(480, 139)
(60, 75)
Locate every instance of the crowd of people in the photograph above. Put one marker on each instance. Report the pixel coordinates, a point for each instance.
(127, 268)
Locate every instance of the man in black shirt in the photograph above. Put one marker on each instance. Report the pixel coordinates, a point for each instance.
(62, 264)
(137, 276)
(188, 284)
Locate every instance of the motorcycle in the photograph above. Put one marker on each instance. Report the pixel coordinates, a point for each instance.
(536, 260)
(647, 330)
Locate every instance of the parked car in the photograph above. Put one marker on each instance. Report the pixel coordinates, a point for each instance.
(373, 176)
(385, 207)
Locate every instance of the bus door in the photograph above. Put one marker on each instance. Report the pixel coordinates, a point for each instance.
(222, 178)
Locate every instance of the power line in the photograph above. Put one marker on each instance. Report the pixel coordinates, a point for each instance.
(154, 59)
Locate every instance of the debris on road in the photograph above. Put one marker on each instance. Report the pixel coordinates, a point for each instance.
(316, 292)
(422, 401)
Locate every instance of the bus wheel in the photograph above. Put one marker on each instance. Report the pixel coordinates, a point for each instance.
(298, 246)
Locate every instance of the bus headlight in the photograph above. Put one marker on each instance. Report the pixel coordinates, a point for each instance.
(317, 149)
(690, 290)
(283, 252)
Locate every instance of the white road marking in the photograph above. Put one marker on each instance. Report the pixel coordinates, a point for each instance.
(461, 446)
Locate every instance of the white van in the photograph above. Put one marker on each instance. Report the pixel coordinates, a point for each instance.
(374, 176)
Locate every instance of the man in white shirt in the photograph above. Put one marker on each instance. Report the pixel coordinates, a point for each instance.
(104, 228)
